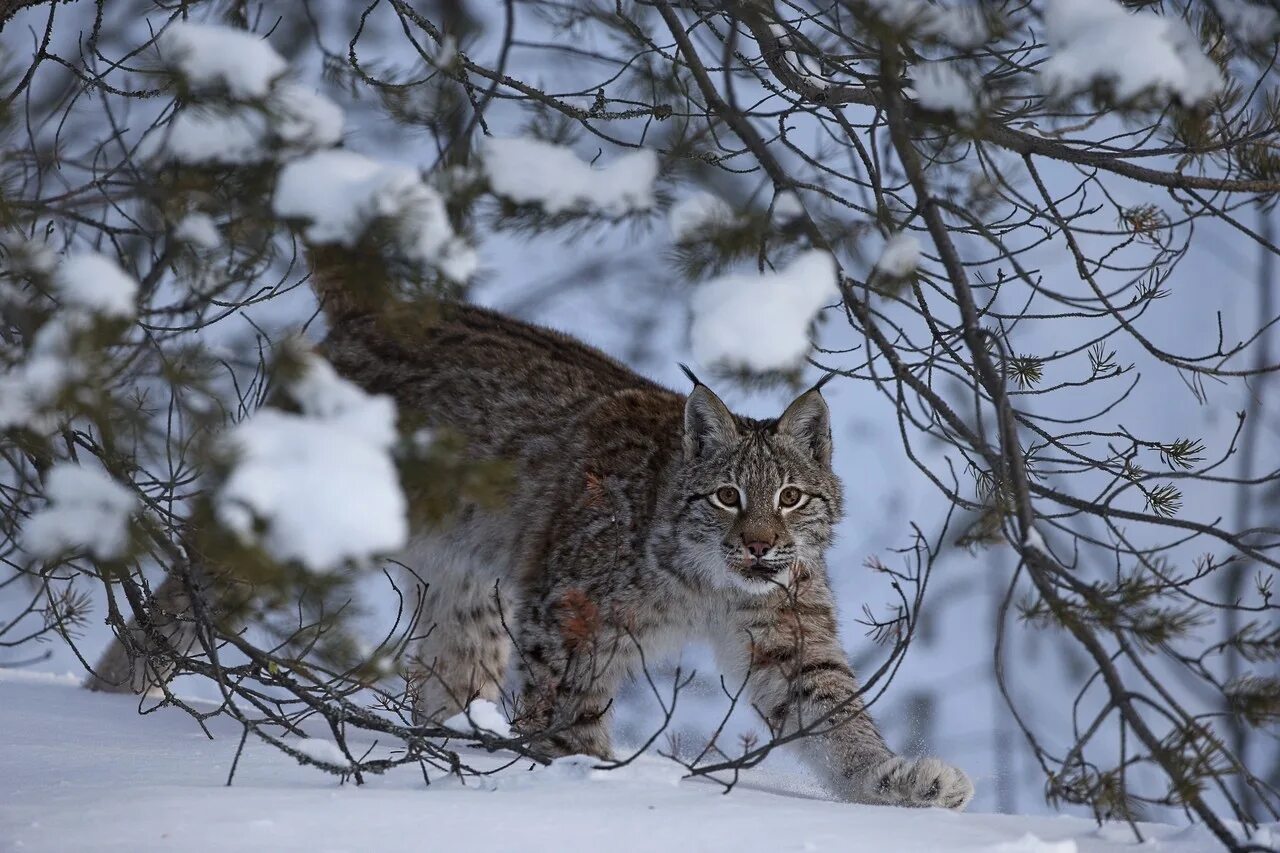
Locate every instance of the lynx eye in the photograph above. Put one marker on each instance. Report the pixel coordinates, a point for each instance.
(727, 496)
(789, 497)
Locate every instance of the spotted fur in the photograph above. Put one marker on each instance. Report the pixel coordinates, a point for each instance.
(615, 541)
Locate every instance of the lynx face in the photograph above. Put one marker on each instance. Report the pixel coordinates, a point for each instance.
(759, 498)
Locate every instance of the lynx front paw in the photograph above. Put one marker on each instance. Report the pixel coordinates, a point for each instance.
(918, 782)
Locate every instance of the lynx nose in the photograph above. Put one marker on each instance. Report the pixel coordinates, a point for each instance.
(758, 549)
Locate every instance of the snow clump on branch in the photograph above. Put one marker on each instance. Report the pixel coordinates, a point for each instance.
(89, 287)
(899, 257)
(243, 111)
(940, 87)
(87, 510)
(530, 171)
(340, 194)
(480, 717)
(697, 214)
(761, 322)
(1135, 54)
(319, 488)
(216, 58)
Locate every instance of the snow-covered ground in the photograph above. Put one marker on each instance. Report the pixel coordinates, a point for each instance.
(83, 771)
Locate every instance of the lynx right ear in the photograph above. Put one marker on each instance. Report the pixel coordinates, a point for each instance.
(808, 420)
(708, 423)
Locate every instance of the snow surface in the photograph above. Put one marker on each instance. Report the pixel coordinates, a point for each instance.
(87, 510)
(83, 771)
(340, 194)
(318, 487)
(480, 716)
(939, 86)
(761, 322)
(1030, 844)
(530, 171)
(694, 214)
(1136, 53)
(212, 57)
(900, 256)
(95, 283)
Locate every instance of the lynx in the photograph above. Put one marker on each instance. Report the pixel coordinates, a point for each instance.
(640, 518)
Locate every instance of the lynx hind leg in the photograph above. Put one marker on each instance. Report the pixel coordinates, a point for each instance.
(465, 651)
(119, 671)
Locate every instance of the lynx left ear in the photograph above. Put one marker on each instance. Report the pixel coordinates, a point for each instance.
(708, 423)
(808, 421)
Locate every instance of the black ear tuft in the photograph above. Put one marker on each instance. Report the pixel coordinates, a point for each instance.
(708, 423)
(808, 421)
(817, 386)
(687, 372)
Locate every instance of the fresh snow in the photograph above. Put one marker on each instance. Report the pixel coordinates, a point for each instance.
(84, 771)
(480, 716)
(96, 284)
(201, 135)
(1031, 844)
(589, 768)
(1036, 542)
(804, 65)
(320, 749)
(303, 118)
(212, 57)
(31, 676)
(323, 394)
(786, 207)
(29, 388)
(293, 120)
(340, 194)
(695, 214)
(1137, 53)
(1249, 22)
(900, 256)
(961, 25)
(198, 229)
(318, 487)
(940, 87)
(87, 511)
(254, 114)
(761, 322)
(88, 285)
(446, 52)
(530, 171)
